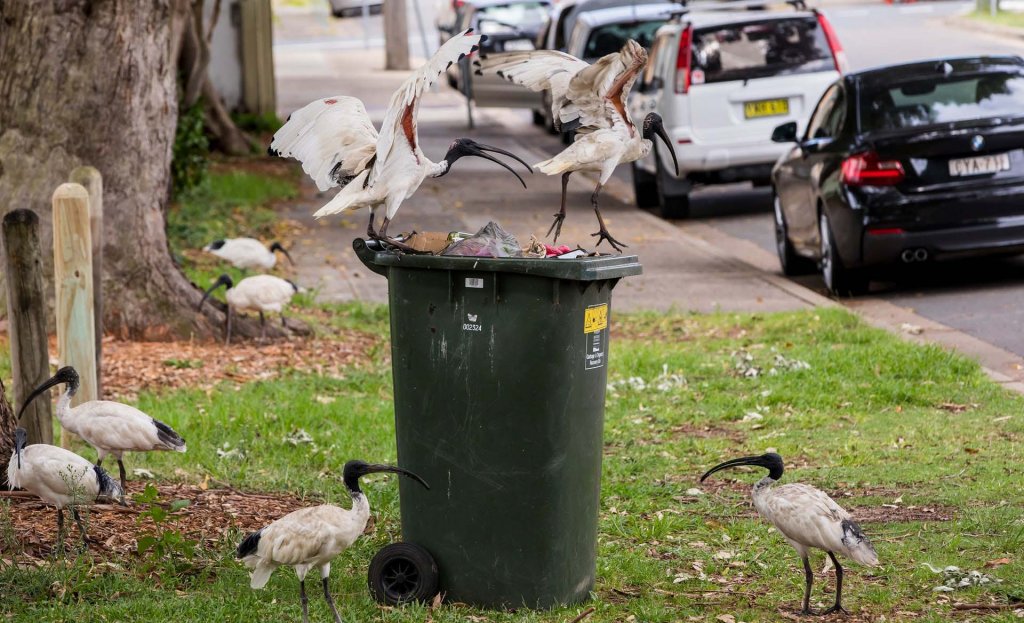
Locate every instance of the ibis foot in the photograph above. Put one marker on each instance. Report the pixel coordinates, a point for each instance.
(556, 226)
(836, 609)
(604, 235)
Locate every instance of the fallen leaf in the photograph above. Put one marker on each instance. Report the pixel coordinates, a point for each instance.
(998, 562)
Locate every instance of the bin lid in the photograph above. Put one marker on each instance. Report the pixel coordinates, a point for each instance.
(578, 269)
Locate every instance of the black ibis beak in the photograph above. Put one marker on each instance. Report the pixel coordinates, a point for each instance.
(654, 126)
(223, 280)
(67, 374)
(277, 247)
(467, 147)
(373, 469)
(20, 439)
(771, 461)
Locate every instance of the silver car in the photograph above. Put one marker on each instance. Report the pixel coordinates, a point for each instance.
(346, 8)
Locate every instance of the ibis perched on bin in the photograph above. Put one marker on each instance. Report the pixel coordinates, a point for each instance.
(808, 519)
(260, 293)
(61, 478)
(247, 253)
(312, 537)
(589, 100)
(338, 145)
(111, 427)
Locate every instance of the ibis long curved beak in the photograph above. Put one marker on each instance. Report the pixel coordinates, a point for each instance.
(659, 129)
(54, 380)
(746, 460)
(373, 469)
(20, 439)
(277, 247)
(223, 280)
(480, 150)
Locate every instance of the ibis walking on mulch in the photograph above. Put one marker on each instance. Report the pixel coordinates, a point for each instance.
(589, 100)
(808, 519)
(338, 145)
(312, 537)
(260, 293)
(111, 427)
(61, 478)
(247, 253)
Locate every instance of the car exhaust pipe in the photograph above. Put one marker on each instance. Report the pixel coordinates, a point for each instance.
(907, 256)
(914, 255)
(921, 255)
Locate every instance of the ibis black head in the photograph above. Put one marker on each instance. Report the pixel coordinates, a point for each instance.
(277, 247)
(20, 439)
(354, 470)
(770, 461)
(67, 375)
(461, 147)
(223, 280)
(215, 245)
(654, 126)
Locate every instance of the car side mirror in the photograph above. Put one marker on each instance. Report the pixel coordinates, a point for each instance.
(785, 133)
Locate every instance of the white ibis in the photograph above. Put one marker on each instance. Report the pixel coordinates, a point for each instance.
(590, 100)
(61, 478)
(261, 293)
(807, 518)
(339, 146)
(111, 427)
(313, 537)
(247, 253)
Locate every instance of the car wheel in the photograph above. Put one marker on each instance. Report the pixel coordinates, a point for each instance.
(539, 118)
(673, 196)
(402, 573)
(645, 188)
(839, 280)
(568, 137)
(792, 263)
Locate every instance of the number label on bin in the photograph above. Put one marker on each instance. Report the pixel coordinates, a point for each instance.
(474, 282)
(595, 327)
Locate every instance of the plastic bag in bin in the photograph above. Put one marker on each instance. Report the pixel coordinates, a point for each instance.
(491, 241)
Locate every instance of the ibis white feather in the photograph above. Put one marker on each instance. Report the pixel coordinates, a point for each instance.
(261, 293)
(246, 253)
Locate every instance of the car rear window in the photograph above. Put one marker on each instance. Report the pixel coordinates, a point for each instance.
(931, 100)
(611, 37)
(759, 50)
(517, 14)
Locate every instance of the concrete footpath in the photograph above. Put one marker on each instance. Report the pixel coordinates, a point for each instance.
(687, 267)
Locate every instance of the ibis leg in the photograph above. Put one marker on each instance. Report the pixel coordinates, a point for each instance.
(383, 235)
(124, 480)
(809, 580)
(81, 526)
(305, 600)
(838, 607)
(372, 235)
(330, 602)
(263, 326)
(556, 226)
(603, 233)
(60, 530)
(227, 330)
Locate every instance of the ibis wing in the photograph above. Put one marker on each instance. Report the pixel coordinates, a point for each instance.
(597, 95)
(332, 137)
(538, 70)
(399, 126)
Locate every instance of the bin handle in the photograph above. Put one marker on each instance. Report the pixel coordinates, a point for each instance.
(367, 256)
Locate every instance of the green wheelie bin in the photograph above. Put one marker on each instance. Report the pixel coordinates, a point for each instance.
(500, 368)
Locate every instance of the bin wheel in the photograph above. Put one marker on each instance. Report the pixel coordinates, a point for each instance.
(401, 573)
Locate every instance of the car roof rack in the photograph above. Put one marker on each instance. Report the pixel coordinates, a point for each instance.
(735, 5)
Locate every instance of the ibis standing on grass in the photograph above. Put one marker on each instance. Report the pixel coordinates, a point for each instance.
(247, 253)
(591, 101)
(61, 478)
(338, 145)
(261, 293)
(111, 427)
(312, 537)
(808, 519)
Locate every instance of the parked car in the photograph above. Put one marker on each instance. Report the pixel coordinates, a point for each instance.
(510, 26)
(722, 80)
(346, 8)
(908, 163)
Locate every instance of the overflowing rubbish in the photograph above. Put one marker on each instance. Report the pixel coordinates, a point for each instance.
(490, 241)
(955, 577)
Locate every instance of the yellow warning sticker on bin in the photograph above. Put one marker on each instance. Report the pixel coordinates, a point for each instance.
(595, 318)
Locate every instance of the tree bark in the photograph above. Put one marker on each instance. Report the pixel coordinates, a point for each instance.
(90, 82)
(7, 426)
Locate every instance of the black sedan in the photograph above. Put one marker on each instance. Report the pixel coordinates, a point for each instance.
(905, 164)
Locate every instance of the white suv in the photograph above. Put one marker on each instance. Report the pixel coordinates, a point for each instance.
(722, 80)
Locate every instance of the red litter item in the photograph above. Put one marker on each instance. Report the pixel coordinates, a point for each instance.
(551, 251)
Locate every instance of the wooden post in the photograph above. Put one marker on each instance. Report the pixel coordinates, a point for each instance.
(72, 276)
(396, 35)
(91, 179)
(26, 313)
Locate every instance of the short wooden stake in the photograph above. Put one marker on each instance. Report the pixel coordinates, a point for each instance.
(91, 179)
(26, 312)
(72, 275)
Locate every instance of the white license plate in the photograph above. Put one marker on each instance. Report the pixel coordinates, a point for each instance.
(979, 165)
(519, 45)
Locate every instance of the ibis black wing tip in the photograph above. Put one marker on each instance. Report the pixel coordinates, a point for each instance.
(249, 544)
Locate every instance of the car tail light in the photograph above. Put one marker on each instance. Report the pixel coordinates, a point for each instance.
(683, 61)
(867, 170)
(842, 65)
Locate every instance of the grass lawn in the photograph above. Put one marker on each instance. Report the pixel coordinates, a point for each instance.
(902, 435)
(1005, 18)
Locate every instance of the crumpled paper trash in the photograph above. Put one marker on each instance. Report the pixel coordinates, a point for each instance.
(491, 241)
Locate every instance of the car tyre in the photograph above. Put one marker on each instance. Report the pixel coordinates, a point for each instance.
(840, 280)
(645, 188)
(793, 264)
(401, 573)
(539, 118)
(672, 203)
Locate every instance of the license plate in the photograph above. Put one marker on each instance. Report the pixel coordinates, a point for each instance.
(979, 165)
(519, 45)
(766, 108)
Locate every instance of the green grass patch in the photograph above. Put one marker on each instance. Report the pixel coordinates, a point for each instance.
(884, 425)
(1003, 18)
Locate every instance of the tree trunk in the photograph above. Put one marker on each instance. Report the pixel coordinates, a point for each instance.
(90, 82)
(7, 425)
